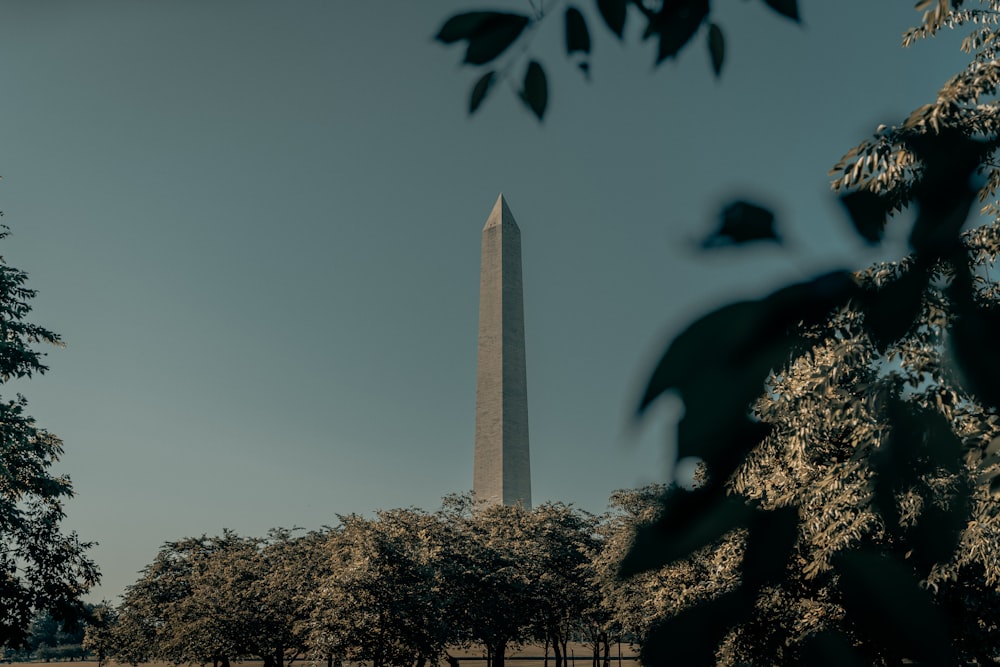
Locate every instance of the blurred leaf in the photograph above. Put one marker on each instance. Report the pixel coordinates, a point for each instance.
(787, 8)
(716, 47)
(770, 542)
(721, 440)
(944, 191)
(689, 521)
(480, 90)
(828, 649)
(742, 222)
(535, 93)
(883, 600)
(614, 13)
(894, 308)
(462, 26)
(727, 354)
(676, 23)
(869, 212)
(577, 35)
(489, 33)
(690, 638)
(975, 330)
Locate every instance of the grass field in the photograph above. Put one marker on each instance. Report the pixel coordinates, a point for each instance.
(527, 656)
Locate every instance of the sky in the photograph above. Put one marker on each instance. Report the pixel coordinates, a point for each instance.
(256, 224)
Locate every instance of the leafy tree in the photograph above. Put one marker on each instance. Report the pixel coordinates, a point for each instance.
(845, 423)
(199, 601)
(380, 600)
(99, 635)
(490, 554)
(44, 569)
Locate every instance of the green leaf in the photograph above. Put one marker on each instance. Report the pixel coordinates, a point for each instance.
(577, 35)
(882, 598)
(974, 331)
(690, 638)
(742, 222)
(462, 26)
(787, 8)
(493, 36)
(828, 649)
(535, 93)
(480, 90)
(716, 47)
(689, 521)
(770, 542)
(869, 212)
(893, 309)
(944, 192)
(724, 357)
(614, 13)
(676, 24)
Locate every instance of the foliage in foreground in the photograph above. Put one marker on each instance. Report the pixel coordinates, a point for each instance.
(42, 569)
(847, 425)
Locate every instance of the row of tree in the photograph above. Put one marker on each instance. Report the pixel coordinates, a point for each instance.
(400, 588)
(405, 587)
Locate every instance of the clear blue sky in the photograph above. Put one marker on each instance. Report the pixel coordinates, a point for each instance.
(257, 224)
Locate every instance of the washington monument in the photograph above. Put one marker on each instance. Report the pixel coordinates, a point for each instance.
(502, 466)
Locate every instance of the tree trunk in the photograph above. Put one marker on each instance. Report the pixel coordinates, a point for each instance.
(606, 642)
(546, 663)
(499, 653)
(269, 661)
(557, 650)
(225, 661)
(279, 656)
(329, 660)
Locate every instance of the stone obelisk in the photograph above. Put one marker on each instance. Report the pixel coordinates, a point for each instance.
(502, 466)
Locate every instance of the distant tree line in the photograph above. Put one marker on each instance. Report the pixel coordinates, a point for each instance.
(401, 588)
(406, 587)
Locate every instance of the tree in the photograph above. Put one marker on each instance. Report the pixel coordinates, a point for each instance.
(200, 600)
(381, 600)
(45, 571)
(821, 458)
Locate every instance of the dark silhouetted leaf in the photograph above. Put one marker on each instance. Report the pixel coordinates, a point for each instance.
(577, 35)
(493, 35)
(770, 541)
(742, 222)
(689, 521)
(462, 26)
(828, 649)
(721, 440)
(535, 93)
(614, 13)
(974, 330)
(723, 358)
(690, 638)
(945, 192)
(787, 8)
(869, 212)
(716, 47)
(882, 599)
(676, 23)
(894, 308)
(479, 91)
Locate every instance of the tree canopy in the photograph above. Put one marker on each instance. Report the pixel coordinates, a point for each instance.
(44, 570)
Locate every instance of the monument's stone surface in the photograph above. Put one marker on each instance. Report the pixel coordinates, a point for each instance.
(502, 466)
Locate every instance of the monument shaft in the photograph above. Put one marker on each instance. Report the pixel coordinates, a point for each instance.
(502, 466)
